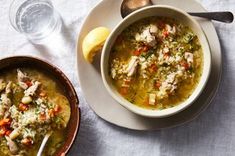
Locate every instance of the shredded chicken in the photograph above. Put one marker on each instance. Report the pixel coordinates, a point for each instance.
(153, 29)
(5, 100)
(2, 85)
(21, 77)
(170, 29)
(8, 88)
(31, 90)
(146, 36)
(4, 106)
(132, 65)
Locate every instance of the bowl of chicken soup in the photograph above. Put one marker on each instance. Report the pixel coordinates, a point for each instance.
(36, 99)
(156, 61)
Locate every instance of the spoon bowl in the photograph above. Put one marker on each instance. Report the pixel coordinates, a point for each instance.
(129, 6)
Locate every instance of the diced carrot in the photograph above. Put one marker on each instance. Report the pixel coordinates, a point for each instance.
(8, 132)
(5, 121)
(158, 84)
(137, 52)
(51, 113)
(57, 109)
(146, 102)
(42, 117)
(4, 131)
(28, 83)
(185, 65)
(145, 48)
(141, 50)
(165, 33)
(124, 90)
(23, 107)
(153, 68)
(166, 55)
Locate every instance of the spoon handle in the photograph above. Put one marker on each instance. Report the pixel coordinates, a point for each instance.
(226, 16)
(44, 141)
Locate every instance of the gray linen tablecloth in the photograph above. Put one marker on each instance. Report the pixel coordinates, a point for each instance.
(212, 133)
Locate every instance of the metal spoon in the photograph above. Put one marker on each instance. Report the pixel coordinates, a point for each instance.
(44, 141)
(128, 6)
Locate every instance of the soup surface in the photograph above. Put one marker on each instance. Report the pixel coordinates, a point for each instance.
(156, 63)
(31, 105)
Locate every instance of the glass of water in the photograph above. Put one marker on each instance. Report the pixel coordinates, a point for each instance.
(37, 19)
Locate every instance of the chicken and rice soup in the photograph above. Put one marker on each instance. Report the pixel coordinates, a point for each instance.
(156, 63)
(31, 105)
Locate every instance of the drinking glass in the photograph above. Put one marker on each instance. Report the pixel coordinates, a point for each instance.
(37, 19)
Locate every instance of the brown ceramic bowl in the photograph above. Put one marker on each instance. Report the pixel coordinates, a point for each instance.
(59, 76)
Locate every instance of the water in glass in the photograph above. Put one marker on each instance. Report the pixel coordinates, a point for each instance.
(36, 19)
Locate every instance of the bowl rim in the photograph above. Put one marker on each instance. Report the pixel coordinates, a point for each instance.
(147, 112)
(69, 141)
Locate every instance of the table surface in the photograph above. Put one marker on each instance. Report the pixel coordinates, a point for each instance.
(212, 133)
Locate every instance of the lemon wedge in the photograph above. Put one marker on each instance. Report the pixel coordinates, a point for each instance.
(93, 42)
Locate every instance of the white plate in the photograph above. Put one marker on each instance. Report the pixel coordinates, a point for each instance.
(107, 13)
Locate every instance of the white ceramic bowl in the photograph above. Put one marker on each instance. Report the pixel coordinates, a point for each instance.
(165, 11)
